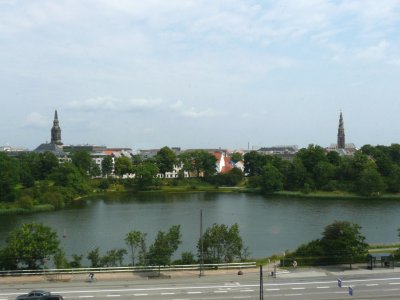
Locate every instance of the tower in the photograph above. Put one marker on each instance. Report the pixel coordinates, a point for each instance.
(56, 131)
(340, 136)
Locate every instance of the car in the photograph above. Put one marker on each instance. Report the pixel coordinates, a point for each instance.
(39, 295)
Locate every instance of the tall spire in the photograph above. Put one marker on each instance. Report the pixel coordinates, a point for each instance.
(56, 131)
(341, 144)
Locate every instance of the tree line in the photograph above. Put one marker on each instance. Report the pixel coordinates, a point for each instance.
(33, 245)
(371, 171)
(32, 179)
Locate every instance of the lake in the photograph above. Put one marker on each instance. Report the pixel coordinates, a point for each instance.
(267, 225)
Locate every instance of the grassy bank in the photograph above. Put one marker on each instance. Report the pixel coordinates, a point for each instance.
(332, 195)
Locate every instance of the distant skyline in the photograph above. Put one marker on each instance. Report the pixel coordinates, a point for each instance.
(196, 73)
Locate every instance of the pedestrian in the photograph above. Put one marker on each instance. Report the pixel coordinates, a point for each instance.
(294, 264)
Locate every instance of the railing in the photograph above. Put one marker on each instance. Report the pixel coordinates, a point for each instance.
(137, 269)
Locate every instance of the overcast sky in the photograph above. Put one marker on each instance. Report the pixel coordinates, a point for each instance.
(145, 74)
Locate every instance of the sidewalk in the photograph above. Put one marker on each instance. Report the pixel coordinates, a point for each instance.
(337, 271)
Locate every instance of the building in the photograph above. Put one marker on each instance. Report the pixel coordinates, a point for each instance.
(341, 147)
(55, 146)
(286, 152)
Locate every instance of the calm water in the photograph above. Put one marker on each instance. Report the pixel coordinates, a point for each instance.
(267, 225)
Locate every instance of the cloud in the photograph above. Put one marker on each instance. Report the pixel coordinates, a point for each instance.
(107, 103)
(375, 52)
(194, 112)
(35, 119)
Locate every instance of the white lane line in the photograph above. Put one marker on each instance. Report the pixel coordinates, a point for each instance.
(394, 283)
(194, 292)
(113, 296)
(291, 295)
(299, 288)
(220, 291)
(164, 294)
(372, 284)
(85, 296)
(242, 297)
(341, 292)
(322, 287)
(140, 295)
(270, 290)
(246, 291)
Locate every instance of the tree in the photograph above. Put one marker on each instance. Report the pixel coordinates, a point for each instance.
(9, 177)
(204, 162)
(370, 182)
(145, 175)
(271, 179)
(47, 163)
(123, 165)
(107, 165)
(253, 163)
(31, 244)
(343, 240)
(82, 160)
(135, 239)
(221, 243)
(164, 246)
(94, 257)
(165, 160)
(236, 156)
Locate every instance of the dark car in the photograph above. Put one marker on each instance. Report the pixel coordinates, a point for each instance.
(39, 295)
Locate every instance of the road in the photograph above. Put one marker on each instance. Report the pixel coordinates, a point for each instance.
(220, 287)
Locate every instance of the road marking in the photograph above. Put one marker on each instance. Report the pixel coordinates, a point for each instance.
(113, 296)
(194, 292)
(322, 287)
(390, 290)
(167, 294)
(299, 288)
(372, 284)
(291, 295)
(220, 291)
(246, 291)
(140, 295)
(273, 290)
(86, 296)
(242, 297)
(393, 283)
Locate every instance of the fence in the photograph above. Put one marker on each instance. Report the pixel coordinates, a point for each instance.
(137, 269)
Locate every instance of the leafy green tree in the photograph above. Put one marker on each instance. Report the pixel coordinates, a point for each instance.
(60, 260)
(31, 244)
(82, 160)
(370, 182)
(221, 243)
(145, 175)
(107, 166)
(123, 165)
(344, 240)
(271, 179)
(296, 175)
(95, 170)
(9, 177)
(134, 240)
(333, 158)
(68, 175)
(204, 162)
(94, 257)
(76, 261)
(165, 160)
(253, 163)
(47, 163)
(113, 258)
(164, 246)
(25, 202)
(236, 156)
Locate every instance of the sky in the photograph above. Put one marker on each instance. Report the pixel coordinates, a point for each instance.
(228, 74)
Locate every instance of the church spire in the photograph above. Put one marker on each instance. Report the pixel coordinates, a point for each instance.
(56, 131)
(340, 136)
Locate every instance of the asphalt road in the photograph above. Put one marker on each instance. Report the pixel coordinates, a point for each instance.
(372, 285)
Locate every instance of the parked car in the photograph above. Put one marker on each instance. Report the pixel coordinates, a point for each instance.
(39, 295)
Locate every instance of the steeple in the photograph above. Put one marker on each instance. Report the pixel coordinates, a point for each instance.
(340, 136)
(56, 131)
